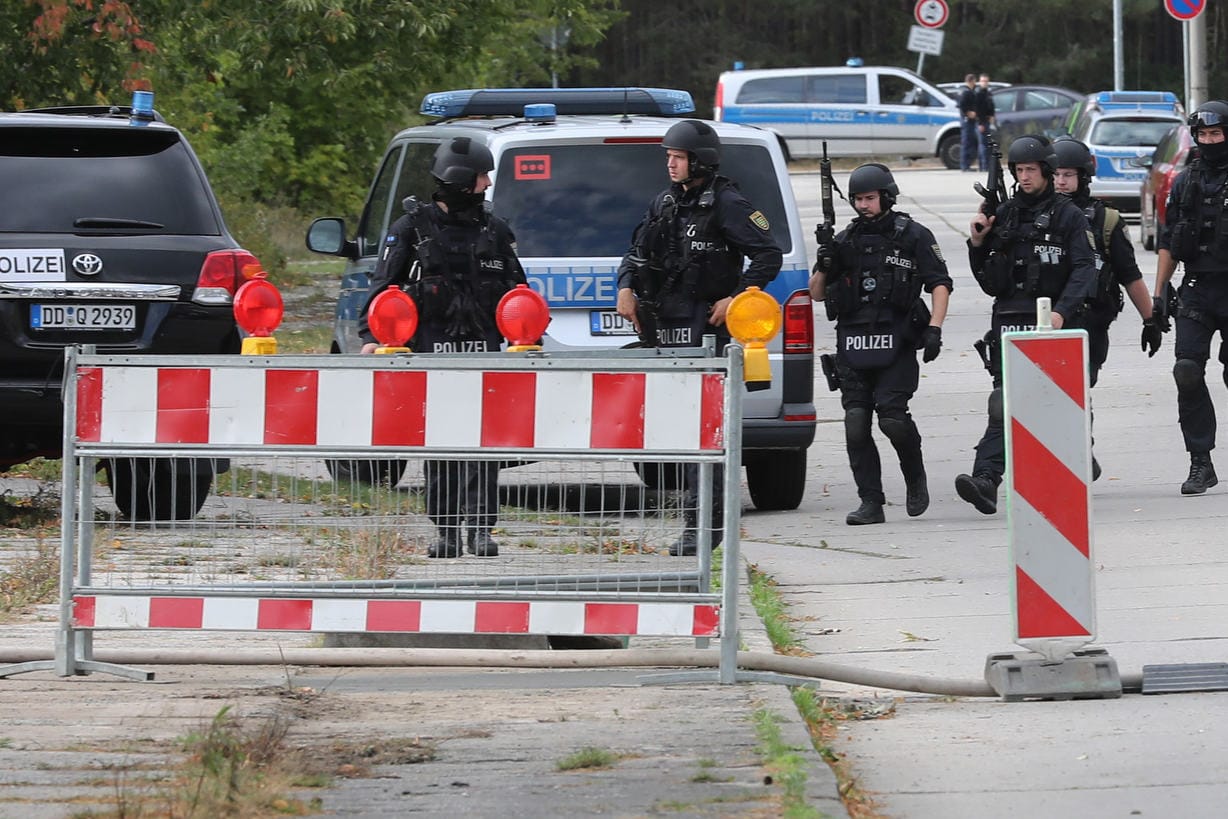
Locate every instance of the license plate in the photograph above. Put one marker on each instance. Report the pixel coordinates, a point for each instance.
(83, 316)
(609, 323)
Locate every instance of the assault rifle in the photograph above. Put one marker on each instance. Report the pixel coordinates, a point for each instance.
(994, 190)
(825, 231)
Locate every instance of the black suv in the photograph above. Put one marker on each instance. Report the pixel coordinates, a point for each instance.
(110, 236)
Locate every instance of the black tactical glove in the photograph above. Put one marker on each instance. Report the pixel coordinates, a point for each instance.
(1152, 335)
(825, 260)
(931, 342)
(1159, 314)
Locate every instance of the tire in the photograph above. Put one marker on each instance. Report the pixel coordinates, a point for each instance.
(662, 477)
(377, 473)
(153, 489)
(776, 479)
(948, 151)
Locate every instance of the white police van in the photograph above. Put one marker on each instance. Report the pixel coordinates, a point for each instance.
(573, 180)
(1121, 128)
(872, 111)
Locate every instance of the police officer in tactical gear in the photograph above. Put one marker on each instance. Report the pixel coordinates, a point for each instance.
(880, 264)
(1195, 233)
(686, 264)
(1037, 244)
(456, 260)
(1115, 253)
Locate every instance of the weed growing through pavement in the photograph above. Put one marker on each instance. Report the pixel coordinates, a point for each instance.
(31, 579)
(787, 765)
(587, 758)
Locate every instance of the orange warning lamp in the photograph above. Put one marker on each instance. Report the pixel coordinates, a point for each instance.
(522, 316)
(753, 319)
(393, 319)
(258, 310)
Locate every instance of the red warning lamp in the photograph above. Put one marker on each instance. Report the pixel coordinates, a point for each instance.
(522, 316)
(258, 310)
(393, 319)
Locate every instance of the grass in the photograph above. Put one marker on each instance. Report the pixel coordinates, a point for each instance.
(821, 715)
(30, 580)
(787, 765)
(587, 759)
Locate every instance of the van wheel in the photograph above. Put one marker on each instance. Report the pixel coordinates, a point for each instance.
(376, 473)
(776, 478)
(662, 477)
(151, 489)
(948, 151)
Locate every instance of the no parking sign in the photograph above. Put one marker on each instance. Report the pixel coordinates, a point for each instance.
(1179, 9)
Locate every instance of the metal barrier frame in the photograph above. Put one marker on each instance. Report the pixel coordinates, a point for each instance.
(74, 642)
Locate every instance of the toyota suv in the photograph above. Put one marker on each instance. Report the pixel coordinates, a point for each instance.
(573, 177)
(871, 111)
(109, 236)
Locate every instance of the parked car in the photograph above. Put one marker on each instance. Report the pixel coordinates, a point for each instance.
(575, 170)
(870, 111)
(1170, 158)
(1120, 127)
(1030, 109)
(110, 236)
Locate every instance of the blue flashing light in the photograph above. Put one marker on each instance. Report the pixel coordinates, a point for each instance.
(661, 102)
(738, 65)
(854, 62)
(142, 108)
(539, 112)
(1137, 99)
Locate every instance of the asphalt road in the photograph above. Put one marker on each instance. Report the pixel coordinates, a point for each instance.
(931, 595)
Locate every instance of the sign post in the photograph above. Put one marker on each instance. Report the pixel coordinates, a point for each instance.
(925, 38)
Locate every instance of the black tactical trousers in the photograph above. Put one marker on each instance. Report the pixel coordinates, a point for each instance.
(886, 391)
(1203, 313)
(460, 492)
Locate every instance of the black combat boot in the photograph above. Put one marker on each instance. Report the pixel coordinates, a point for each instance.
(447, 545)
(687, 545)
(868, 512)
(1202, 474)
(482, 544)
(917, 495)
(979, 490)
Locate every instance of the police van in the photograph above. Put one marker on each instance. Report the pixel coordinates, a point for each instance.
(872, 111)
(575, 171)
(1121, 128)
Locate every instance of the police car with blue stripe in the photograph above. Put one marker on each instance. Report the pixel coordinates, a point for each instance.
(574, 170)
(870, 111)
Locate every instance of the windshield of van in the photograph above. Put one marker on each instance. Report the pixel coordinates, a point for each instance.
(1130, 132)
(585, 200)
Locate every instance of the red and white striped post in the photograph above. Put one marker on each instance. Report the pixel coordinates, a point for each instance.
(1047, 420)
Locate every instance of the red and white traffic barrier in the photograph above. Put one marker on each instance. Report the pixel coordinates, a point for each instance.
(1049, 506)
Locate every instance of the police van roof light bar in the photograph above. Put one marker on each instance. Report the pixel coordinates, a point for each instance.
(658, 102)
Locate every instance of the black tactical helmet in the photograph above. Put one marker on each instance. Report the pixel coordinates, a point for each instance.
(699, 140)
(459, 162)
(1211, 112)
(1071, 153)
(874, 176)
(1032, 148)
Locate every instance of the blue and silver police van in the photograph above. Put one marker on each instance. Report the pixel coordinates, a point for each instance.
(870, 111)
(1120, 128)
(574, 174)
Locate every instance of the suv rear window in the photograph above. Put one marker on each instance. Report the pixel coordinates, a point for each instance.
(54, 177)
(1130, 132)
(585, 200)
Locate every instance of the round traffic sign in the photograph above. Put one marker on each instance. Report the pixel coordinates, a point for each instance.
(933, 13)
(1185, 9)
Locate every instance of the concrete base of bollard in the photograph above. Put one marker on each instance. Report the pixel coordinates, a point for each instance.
(1088, 674)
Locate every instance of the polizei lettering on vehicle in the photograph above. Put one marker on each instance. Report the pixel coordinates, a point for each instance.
(870, 341)
(32, 265)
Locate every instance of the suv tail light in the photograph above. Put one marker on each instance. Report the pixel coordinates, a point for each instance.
(718, 105)
(799, 324)
(223, 273)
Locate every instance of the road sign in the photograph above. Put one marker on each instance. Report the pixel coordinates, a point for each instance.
(933, 13)
(925, 40)
(1180, 9)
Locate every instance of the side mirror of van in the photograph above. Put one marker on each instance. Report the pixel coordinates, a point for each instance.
(327, 235)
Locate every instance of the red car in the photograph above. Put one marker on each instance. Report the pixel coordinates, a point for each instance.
(1170, 158)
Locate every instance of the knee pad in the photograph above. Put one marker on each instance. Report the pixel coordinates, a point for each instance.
(857, 426)
(995, 406)
(1188, 373)
(897, 426)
